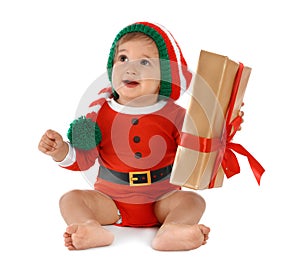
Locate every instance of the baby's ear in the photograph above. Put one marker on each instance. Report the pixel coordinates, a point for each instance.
(84, 133)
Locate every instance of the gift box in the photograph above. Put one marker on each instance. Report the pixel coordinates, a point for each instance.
(206, 152)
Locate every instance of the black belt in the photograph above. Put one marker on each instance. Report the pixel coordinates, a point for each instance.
(134, 178)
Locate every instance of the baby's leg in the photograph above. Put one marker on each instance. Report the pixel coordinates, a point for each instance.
(180, 213)
(85, 211)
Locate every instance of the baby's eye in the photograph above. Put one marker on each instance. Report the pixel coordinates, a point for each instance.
(123, 58)
(145, 62)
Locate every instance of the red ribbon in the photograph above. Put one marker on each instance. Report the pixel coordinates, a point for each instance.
(199, 143)
(230, 163)
(226, 156)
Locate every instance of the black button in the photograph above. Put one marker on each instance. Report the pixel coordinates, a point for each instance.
(136, 139)
(134, 121)
(138, 155)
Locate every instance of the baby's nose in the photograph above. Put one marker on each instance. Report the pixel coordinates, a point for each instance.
(131, 72)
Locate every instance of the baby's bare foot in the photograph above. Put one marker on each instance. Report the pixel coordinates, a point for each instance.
(174, 236)
(87, 235)
(205, 231)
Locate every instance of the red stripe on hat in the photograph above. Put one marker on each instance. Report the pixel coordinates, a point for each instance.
(186, 73)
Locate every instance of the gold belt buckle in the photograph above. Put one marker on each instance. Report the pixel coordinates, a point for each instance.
(133, 178)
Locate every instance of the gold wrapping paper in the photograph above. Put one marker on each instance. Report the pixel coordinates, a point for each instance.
(210, 95)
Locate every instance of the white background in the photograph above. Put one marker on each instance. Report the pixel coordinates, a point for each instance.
(51, 51)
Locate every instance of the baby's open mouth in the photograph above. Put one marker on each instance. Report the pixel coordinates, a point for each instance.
(130, 83)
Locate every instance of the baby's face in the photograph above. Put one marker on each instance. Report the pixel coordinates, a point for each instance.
(136, 72)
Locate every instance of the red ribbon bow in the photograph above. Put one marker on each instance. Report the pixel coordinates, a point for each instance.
(230, 163)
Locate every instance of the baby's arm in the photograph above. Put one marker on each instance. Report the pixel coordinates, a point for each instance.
(52, 144)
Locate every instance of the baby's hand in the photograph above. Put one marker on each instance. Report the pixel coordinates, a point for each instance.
(52, 144)
(241, 114)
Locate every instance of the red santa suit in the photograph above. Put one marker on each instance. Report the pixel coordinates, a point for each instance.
(135, 140)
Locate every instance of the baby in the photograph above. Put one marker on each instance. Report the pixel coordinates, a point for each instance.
(139, 128)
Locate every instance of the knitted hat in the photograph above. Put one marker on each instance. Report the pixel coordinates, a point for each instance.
(175, 77)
